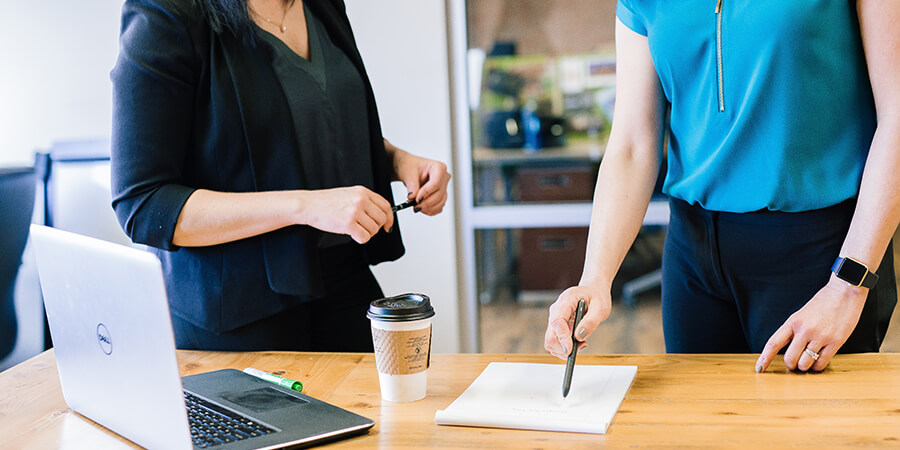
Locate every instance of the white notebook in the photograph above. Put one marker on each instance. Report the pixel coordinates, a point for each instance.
(529, 396)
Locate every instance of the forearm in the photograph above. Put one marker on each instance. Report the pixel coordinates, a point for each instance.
(624, 186)
(878, 207)
(395, 156)
(210, 218)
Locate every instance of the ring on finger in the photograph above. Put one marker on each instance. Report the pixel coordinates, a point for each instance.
(812, 354)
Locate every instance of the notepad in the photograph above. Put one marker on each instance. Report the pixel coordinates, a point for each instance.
(529, 396)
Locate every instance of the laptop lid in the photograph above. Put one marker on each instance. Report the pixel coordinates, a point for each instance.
(115, 350)
(112, 336)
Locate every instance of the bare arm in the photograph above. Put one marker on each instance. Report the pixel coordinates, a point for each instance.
(625, 183)
(210, 218)
(826, 321)
(878, 209)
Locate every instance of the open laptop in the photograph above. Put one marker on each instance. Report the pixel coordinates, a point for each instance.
(115, 350)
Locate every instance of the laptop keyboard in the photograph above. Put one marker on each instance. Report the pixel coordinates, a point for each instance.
(213, 425)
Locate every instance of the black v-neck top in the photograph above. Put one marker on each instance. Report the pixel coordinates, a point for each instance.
(327, 100)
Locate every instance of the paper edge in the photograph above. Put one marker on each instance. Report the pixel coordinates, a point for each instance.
(444, 417)
(447, 417)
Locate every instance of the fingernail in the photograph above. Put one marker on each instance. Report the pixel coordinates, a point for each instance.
(389, 229)
(759, 368)
(417, 209)
(409, 195)
(581, 333)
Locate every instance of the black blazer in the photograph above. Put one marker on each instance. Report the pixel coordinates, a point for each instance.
(195, 109)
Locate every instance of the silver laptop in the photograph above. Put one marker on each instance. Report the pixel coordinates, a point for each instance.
(115, 350)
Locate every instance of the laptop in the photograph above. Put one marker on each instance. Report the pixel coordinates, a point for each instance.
(115, 350)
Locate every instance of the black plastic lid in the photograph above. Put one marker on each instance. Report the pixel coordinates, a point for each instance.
(402, 308)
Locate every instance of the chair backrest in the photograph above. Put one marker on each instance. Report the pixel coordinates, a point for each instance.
(17, 192)
(75, 189)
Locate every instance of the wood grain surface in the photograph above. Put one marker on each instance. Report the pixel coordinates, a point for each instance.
(675, 401)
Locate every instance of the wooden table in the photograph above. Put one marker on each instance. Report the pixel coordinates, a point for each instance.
(676, 400)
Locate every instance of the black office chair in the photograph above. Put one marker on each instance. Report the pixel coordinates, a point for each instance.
(17, 189)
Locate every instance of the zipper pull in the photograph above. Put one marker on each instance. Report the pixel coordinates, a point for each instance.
(718, 6)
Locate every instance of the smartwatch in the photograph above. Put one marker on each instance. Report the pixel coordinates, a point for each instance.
(854, 272)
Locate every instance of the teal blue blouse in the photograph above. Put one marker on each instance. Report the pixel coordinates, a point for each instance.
(771, 106)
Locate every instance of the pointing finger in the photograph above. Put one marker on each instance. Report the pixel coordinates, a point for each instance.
(778, 340)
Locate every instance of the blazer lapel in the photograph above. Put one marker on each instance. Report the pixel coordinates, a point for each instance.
(276, 165)
(266, 117)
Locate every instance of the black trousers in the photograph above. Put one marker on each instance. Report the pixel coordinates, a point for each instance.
(334, 323)
(730, 280)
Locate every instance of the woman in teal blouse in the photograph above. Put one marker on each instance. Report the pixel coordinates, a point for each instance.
(783, 131)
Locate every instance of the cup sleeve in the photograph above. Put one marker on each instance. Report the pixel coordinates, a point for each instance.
(625, 12)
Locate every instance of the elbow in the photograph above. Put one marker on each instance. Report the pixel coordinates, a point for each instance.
(149, 217)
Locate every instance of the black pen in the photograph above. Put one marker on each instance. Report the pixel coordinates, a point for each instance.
(404, 205)
(570, 362)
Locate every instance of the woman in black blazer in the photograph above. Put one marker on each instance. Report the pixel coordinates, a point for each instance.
(248, 152)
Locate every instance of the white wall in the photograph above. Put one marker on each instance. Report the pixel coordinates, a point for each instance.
(54, 86)
(404, 46)
(54, 78)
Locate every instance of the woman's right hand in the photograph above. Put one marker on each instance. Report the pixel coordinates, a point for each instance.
(558, 338)
(355, 211)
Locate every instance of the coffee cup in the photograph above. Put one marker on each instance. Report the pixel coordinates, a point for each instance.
(401, 334)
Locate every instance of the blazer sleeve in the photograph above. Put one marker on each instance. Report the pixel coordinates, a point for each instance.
(154, 84)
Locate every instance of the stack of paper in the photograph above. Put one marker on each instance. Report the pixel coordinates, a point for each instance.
(529, 396)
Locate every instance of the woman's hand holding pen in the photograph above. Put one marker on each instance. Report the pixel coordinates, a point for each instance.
(355, 211)
(426, 180)
(558, 337)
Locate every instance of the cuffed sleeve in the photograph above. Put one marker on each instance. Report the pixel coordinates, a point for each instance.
(154, 83)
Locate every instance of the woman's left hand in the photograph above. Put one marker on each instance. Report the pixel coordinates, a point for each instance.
(821, 326)
(426, 180)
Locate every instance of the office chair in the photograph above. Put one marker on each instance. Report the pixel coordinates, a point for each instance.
(17, 189)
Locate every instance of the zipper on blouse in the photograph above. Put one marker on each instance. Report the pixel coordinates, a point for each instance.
(719, 76)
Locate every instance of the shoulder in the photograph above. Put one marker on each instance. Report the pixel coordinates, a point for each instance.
(333, 8)
(338, 5)
(164, 39)
(184, 9)
(157, 23)
(162, 13)
(633, 13)
(638, 5)
(333, 14)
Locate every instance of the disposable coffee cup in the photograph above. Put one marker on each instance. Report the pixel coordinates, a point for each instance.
(401, 334)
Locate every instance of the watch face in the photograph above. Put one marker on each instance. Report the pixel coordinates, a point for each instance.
(852, 271)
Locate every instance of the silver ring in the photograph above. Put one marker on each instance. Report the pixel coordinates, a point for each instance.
(812, 354)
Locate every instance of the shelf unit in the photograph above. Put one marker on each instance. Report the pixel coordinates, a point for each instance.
(473, 217)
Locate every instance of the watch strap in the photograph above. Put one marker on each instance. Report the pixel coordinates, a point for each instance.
(842, 266)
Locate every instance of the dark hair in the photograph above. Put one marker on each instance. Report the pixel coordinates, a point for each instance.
(232, 16)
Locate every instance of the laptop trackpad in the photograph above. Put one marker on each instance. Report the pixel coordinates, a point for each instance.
(262, 399)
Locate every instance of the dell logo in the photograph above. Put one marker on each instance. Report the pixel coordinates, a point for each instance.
(104, 339)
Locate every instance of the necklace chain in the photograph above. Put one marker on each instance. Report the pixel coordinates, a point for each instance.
(281, 25)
